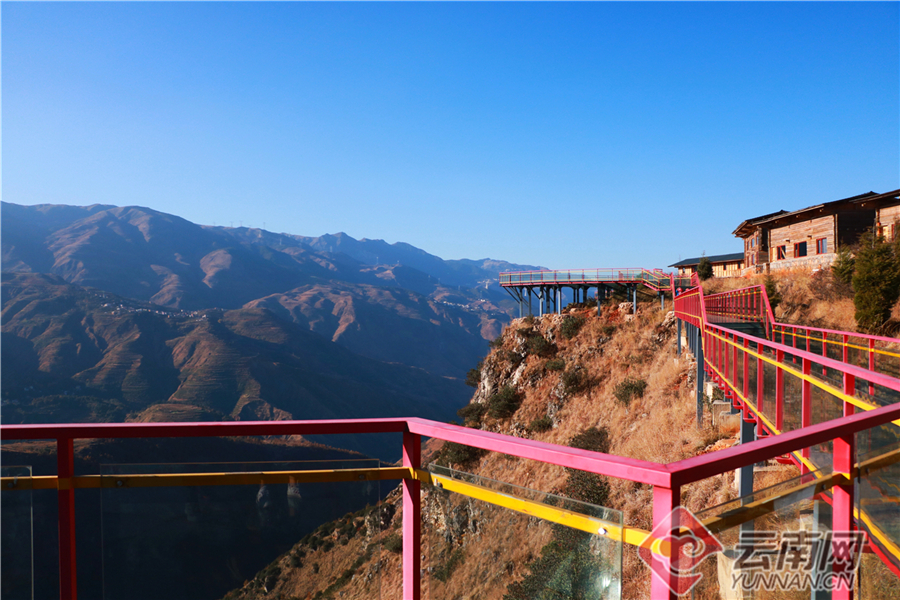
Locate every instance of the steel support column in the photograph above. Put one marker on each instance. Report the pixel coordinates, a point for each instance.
(698, 344)
(678, 336)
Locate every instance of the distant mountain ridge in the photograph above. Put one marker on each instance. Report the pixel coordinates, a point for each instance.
(72, 354)
(441, 313)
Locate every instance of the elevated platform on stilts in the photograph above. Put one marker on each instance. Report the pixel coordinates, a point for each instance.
(547, 286)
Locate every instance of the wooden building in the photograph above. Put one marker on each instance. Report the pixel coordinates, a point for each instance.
(724, 265)
(811, 237)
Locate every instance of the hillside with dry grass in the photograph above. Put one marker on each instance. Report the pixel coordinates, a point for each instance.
(610, 383)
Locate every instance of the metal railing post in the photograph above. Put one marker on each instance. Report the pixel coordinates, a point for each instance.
(850, 390)
(65, 470)
(746, 374)
(842, 515)
(779, 392)
(871, 364)
(412, 519)
(664, 579)
(760, 386)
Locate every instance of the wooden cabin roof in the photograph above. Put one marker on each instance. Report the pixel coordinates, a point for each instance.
(718, 258)
(747, 227)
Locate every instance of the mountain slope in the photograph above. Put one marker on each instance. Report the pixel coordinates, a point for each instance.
(392, 324)
(85, 355)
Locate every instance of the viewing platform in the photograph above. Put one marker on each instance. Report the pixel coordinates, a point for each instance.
(547, 286)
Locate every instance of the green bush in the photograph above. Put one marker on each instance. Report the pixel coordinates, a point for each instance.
(704, 269)
(571, 325)
(545, 423)
(473, 413)
(513, 358)
(876, 281)
(574, 381)
(586, 487)
(772, 293)
(592, 438)
(443, 571)
(608, 330)
(843, 266)
(473, 377)
(504, 403)
(555, 364)
(538, 346)
(452, 453)
(629, 389)
(393, 543)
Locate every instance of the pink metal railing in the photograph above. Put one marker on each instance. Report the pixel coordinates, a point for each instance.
(729, 354)
(667, 480)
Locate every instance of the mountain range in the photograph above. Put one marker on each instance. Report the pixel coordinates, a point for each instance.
(126, 313)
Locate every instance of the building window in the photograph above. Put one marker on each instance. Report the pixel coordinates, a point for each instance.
(782, 252)
(799, 249)
(822, 246)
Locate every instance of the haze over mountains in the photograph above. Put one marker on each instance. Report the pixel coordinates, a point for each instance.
(125, 313)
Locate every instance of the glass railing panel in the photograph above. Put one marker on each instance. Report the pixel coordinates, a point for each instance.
(475, 549)
(823, 407)
(751, 378)
(16, 533)
(209, 540)
(883, 396)
(877, 495)
(737, 370)
(774, 555)
(793, 402)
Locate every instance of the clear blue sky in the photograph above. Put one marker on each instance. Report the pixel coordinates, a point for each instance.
(567, 135)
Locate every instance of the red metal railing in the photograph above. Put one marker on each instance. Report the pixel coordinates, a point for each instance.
(738, 362)
(667, 480)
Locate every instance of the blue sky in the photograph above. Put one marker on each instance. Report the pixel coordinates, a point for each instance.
(563, 134)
